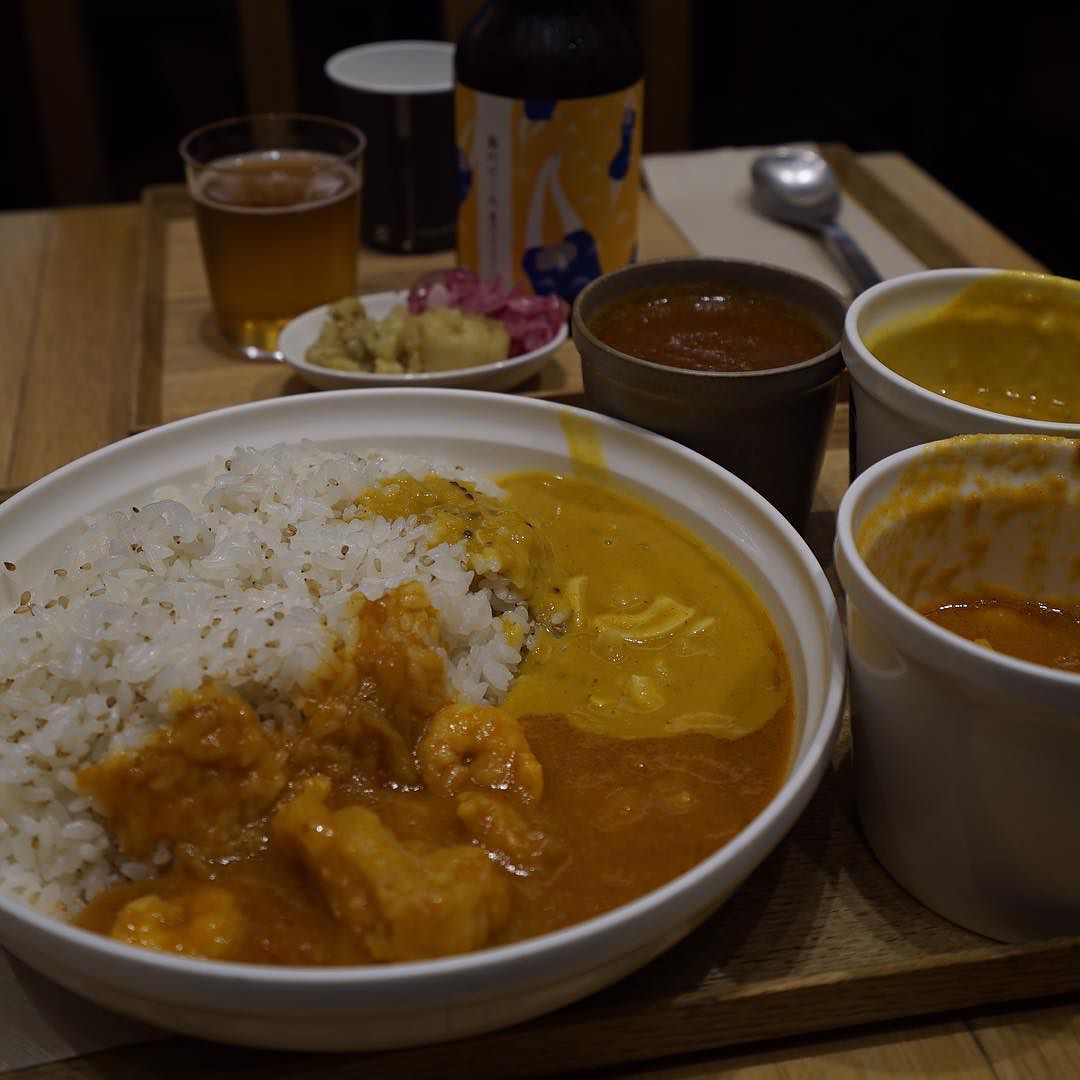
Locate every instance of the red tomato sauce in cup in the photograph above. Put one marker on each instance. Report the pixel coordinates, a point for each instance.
(710, 326)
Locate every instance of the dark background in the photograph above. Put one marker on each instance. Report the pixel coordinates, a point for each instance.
(97, 93)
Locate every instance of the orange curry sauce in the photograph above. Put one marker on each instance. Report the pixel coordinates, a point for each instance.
(1027, 629)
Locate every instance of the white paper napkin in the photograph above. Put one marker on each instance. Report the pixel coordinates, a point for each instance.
(41, 1022)
(707, 194)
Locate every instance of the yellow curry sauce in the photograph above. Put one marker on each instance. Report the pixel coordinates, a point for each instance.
(650, 722)
(1009, 343)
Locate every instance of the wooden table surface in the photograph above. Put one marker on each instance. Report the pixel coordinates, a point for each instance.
(72, 318)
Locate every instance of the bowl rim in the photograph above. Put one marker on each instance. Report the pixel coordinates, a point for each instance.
(532, 955)
(251, 119)
(933, 645)
(903, 394)
(405, 379)
(763, 374)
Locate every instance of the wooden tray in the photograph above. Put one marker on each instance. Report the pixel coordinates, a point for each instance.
(819, 937)
(185, 368)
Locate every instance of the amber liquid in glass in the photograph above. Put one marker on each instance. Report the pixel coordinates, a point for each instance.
(279, 235)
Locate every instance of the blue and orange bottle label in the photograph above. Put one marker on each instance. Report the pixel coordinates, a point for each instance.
(547, 189)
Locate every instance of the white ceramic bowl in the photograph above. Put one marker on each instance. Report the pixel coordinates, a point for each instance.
(893, 413)
(408, 1003)
(966, 759)
(298, 335)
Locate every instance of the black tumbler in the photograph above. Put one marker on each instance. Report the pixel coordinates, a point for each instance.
(401, 95)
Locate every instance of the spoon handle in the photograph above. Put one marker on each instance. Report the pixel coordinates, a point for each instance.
(860, 271)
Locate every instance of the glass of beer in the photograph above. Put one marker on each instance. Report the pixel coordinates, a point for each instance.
(277, 206)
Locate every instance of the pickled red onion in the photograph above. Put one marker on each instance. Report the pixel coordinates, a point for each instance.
(531, 321)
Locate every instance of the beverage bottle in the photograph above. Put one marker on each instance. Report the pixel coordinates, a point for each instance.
(548, 104)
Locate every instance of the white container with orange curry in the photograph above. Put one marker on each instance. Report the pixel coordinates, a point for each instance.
(961, 563)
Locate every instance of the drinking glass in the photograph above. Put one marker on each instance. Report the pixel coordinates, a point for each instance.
(277, 205)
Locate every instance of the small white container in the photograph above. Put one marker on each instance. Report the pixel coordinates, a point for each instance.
(966, 760)
(893, 413)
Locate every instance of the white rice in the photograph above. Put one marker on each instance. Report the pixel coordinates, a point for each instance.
(244, 579)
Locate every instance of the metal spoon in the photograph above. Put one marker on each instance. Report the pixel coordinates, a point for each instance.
(799, 187)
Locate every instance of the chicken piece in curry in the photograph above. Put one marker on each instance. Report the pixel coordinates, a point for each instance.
(650, 721)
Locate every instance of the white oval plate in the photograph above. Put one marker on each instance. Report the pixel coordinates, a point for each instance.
(393, 1005)
(298, 335)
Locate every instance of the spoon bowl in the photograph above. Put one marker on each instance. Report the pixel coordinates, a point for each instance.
(797, 186)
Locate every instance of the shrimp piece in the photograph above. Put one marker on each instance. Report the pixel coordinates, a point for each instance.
(478, 746)
(504, 833)
(206, 922)
(402, 905)
(199, 779)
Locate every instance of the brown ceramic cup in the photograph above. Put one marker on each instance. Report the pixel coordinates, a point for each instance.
(768, 427)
